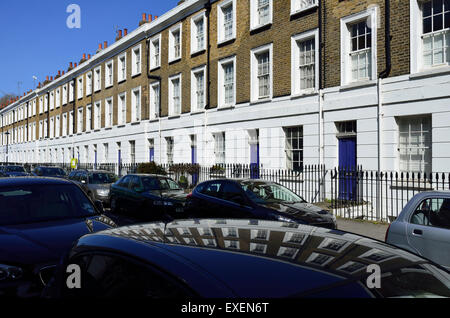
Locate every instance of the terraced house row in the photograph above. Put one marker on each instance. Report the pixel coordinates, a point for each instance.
(281, 83)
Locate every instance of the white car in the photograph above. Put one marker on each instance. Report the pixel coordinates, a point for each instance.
(423, 227)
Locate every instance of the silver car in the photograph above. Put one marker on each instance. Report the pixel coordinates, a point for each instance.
(423, 227)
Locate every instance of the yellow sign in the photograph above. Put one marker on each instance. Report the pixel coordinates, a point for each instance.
(74, 163)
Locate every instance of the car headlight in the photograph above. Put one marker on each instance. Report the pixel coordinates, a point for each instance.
(10, 272)
(103, 192)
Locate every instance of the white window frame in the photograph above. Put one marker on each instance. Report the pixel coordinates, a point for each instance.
(97, 79)
(80, 120)
(121, 78)
(64, 125)
(89, 83)
(80, 87)
(71, 90)
(194, 95)
(194, 33)
(34, 107)
(122, 109)
(136, 109)
(371, 15)
(298, 6)
(97, 115)
(41, 106)
(154, 102)
(109, 112)
(71, 119)
(220, 148)
(109, 73)
(65, 93)
(295, 62)
(171, 95)
(172, 57)
(416, 47)
(221, 82)
(254, 83)
(57, 126)
(155, 64)
(134, 69)
(88, 118)
(45, 103)
(254, 17)
(221, 20)
(58, 97)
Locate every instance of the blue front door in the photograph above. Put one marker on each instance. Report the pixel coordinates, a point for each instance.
(152, 154)
(254, 161)
(347, 168)
(194, 161)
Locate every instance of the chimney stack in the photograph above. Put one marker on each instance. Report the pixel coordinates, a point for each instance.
(144, 19)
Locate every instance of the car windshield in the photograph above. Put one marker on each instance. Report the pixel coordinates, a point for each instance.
(266, 193)
(14, 169)
(169, 184)
(101, 178)
(36, 203)
(150, 184)
(53, 172)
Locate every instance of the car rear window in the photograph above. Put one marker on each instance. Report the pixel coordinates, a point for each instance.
(40, 203)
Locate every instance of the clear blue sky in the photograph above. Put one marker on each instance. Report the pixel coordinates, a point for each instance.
(36, 41)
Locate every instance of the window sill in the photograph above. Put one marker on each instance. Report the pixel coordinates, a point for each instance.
(293, 13)
(226, 107)
(174, 116)
(154, 68)
(260, 26)
(136, 75)
(153, 120)
(121, 81)
(108, 128)
(121, 125)
(195, 112)
(440, 70)
(175, 60)
(305, 93)
(96, 130)
(261, 101)
(198, 52)
(356, 85)
(134, 123)
(226, 41)
(108, 86)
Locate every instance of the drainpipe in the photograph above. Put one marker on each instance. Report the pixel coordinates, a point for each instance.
(208, 71)
(321, 143)
(384, 74)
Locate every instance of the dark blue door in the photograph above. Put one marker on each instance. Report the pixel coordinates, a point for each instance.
(347, 168)
(254, 161)
(194, 161)
(152, 154)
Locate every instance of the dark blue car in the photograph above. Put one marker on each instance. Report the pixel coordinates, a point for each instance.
(13, 171)
(40, 218)
(258, 199)
(223, 258)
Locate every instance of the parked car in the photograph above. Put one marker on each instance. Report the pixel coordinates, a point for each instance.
(423, 227)
(249, 198)
(220, 258)
(96, 183)
(44, 171)
(148, 197)
(40, 218)
(13, 171)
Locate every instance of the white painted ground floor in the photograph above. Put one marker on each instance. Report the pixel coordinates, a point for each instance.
(398, 124)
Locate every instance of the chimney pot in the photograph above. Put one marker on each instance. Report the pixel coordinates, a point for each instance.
(51, 78)
(71, 64)
(47, 78)
(76, 64)
(63, 72)
(59, 73)
(105, 45)
(125, 32)
(150, 18)
(84, 56)
(89, 56)
(144, 17)
(100, 46)
(120, 33)
(156, 17)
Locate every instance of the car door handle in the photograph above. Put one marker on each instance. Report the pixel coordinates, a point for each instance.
(417, 232)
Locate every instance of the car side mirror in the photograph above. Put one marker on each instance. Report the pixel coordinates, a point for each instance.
(99, 206)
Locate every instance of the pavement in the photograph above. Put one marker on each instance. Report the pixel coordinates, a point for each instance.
(373, 230)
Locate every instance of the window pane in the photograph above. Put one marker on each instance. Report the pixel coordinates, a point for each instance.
(447, 20)
(437, 22)
(426, 25)
(437, 6)
(427, 9)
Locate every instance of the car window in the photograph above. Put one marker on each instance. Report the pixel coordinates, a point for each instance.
(72, 175)
(124, 182)
(263, 193)
(101, 178)
(135, 182)
(150, 183)
(40, 203)
(173, 185)
(83, 177)
(111, 276)
(212, 189)
(433, 212)
(231, 192)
